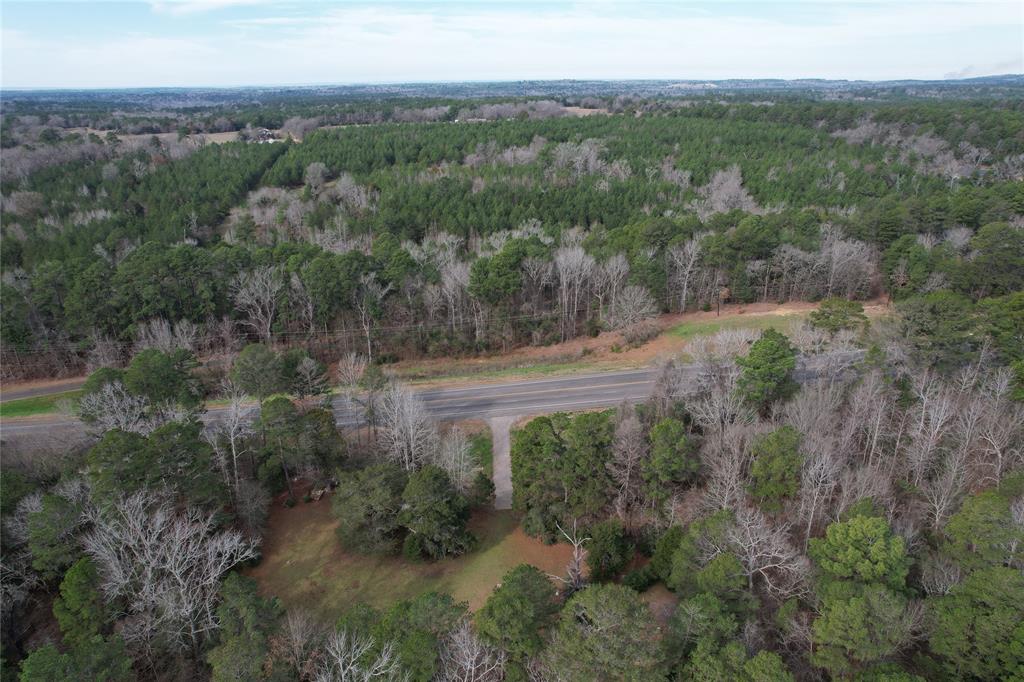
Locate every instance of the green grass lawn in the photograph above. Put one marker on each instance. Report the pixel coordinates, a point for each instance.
(304, 565)
(28, 407)
(482, 451)
(416, 374)
(688, 330)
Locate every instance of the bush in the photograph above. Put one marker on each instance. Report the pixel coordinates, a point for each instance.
(270, 474)
(481, 492)
(608, 551)
(640, 333)
(413, 548)
(367, 504)
(668, 543)
(435, 515)
(641, 579)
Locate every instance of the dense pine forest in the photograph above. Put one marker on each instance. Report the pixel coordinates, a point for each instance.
(843, 499)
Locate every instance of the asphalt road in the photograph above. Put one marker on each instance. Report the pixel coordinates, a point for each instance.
(512, 399)
(538, 396)
(44, 389)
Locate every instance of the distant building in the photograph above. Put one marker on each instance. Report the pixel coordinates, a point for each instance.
(264, 136)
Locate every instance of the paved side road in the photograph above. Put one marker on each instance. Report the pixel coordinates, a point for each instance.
(501, 461)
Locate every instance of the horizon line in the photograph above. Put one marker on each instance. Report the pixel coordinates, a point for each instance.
(353, 84)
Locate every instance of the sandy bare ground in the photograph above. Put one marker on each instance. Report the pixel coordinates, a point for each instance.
(212, 138)
(580, 111)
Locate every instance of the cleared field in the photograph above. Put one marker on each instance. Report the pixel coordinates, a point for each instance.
(303, 563)
(779, 321)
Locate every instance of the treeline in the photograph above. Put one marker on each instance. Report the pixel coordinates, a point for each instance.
(444, 296)
(995, 125)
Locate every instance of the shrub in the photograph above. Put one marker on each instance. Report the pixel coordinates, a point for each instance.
(640, 333)
(641, 579)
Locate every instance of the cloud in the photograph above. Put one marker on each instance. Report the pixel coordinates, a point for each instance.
(182, 7)
(331, 43)
(270, 21)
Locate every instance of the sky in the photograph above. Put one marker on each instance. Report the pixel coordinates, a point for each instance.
(220, 43)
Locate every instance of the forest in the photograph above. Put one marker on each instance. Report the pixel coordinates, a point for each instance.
(843, 499)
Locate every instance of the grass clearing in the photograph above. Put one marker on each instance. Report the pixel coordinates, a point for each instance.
(482, 451)
(30, 407)
(779, 322)
(303, 563)
(415, 375)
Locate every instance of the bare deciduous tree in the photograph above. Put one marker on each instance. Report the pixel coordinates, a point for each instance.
(165, 565)
(104, 352)
(932, 418)
(298, 643)
(939, 574)
(716, 403)
(350, 370)
(1001, 427)
(608, 279)
(573, 266)
(465, 658)
(310, 379)
(766, 554)
(256, 294)
(230, 434)
(632, 305)
(848, 264)
(455, 289)
(408, 436)
(628, 451)
(351, 657)
(724, 192)
(252, 507)
(315, 177)
(818, 479)
(368, 298)
(112, 407)
(454, 456)
(726, 460)
(683, 259)
(160, 334)
(573, 579)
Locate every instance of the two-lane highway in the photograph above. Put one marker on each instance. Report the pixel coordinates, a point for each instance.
(512, 399)
(538, 396)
